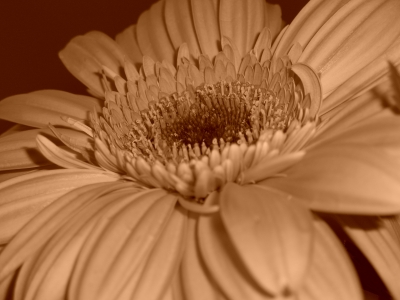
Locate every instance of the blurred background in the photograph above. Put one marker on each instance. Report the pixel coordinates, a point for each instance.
(33, 32)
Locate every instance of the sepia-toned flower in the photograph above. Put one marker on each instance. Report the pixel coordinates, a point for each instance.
(217, 146)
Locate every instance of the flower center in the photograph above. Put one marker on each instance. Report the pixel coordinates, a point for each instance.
(193, 138)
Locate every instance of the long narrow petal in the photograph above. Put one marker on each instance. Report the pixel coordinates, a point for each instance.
(378, 246)
(344, 179)
(223, 263)
(6, 175)
(380, 130)
(152, 35)
(375, 72)
(19, 151)
(130, 236)
(62, 157)
(273, 19)
(197, 284)
(331, 275)
(180, 25)
(205, 19)
(347, 42)
(344, 116)
(241, 21)
(271, 233)
(307, 23)
(23, 197)
(52, 270)
(127, 40)
(40, 108)
(163, 262)
(85, 55)
(40, 229)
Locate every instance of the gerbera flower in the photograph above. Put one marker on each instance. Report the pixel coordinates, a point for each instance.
(202, 179)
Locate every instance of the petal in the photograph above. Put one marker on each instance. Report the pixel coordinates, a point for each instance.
(380, 130)
(40, 108)
(19, 151)
(271, 233)
(273, 19)
(52, 273)
(344, 179)
(23, 197)
(372, 74)
(307, 22)
(164, 260)
(197, 284)
(127, 40)
(242, 21)
(14, 129)
(392, 224)
(311, 85)
(61, 157)
(152, 35)
(205, 19)
(269, 167)
(49, 276)
(85, 55)
(378, 246)
(347, 42)
(223, 263)
(40, 229)
(130, 236)
(349, 113)
(180, 25)
(331, 275)
(6, 175)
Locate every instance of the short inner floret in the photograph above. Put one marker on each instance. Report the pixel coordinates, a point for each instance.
(195, 140)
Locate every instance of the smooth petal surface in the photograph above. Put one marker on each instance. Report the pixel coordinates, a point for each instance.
(242, 21)
(344, 179)
(152, 35)
(40, 108)
(364, 107)
(18, 150)
(51, 269)
(372, 74)
(346, 43)
(197, 284)
(205, 19)
(378, 246)
(181, 31)
(223, 263)
(308, 21)
(331, 275)
(62, 157)
(85, 55)
(312, 86)
(272, 234)
(126, 238)
(164, 260)
(31, 238)
(23, 197)
(380, 130)
(127, 40)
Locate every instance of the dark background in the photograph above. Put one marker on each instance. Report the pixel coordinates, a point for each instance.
(32, 32)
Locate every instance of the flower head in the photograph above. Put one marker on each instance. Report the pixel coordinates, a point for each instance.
(204, 178)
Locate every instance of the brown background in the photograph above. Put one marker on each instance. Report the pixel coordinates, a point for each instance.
(32, 32)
